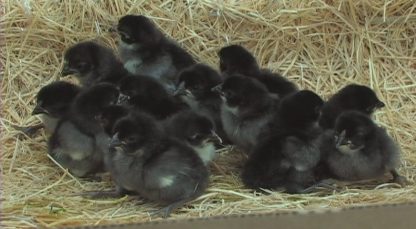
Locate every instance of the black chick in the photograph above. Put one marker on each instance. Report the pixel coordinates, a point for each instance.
(145, 50)
(67, 145)
(287, 154)
(352, 97)
(161, 169)
(246, 109)
(110, 115)
(75, 150)
(53, 102)
(90, 103)
(195, 84)
(92, 63)
(357, 149)
(148, 95)
(196, 130)
(87, 108)
(236, 59)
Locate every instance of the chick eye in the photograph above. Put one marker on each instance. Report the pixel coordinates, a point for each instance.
(195, 87)
(131, 139)
(82, 65)
(126, 38)
(195, 137)
(360, 133)
(228, 95)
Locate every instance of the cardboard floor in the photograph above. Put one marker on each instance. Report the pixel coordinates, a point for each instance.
(395, 216)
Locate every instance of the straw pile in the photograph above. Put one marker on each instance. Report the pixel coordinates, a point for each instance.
(321, 45)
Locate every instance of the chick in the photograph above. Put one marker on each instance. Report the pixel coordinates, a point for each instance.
(53, 103)
(352, 97)
(161, 169)
(89, 104)
(195, 84)
(286, 156)
(148, 95)
(75, 150)
(246, 109)
(357, 149)
(67, 145)
(110, 115)
(236, 59)
(87, 109)
(196, 130)
(144, 49)
(92, 63)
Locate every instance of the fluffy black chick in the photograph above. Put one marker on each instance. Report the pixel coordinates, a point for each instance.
(53, 102)
(145, 50)
(195, 84)
(357, 149)
(148, 95)
(75, 150)
(237, 59)
(90, 103)
(110, 115)
(87, 108)
(246, 109)
(67, 145)
(287, 154)
(158, 168)
(92, 63)
(196, 130)
(352, 97)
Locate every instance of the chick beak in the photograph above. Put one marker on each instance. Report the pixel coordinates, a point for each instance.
(215, 138)
(181, 90)
(380, 104)
(123, 99)
(217, 89)
(115, 142)
(67, 70)
(340, 139)
(39, 110)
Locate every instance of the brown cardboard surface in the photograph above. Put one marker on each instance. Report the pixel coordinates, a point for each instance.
(378, 216)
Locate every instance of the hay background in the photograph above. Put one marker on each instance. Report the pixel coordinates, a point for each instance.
(321, 45)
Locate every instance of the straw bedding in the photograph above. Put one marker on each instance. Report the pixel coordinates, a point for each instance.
(320, 45)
